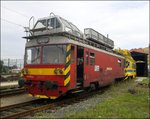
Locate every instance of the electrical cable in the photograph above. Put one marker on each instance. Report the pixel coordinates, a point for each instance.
(11, 22)
(16, 12)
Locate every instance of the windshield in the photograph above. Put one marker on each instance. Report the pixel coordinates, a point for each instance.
(33, 55)
(54, 54)
(51, 23)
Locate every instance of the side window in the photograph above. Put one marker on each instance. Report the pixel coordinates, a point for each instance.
(53, 22)
(72, 54)
(119, 62)
(92, 59)
(87, 58)
(124, 63)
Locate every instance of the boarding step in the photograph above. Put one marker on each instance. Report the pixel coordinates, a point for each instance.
(79, 85)
(78, 91)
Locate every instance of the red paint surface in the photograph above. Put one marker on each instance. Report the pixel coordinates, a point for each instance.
(103, 76)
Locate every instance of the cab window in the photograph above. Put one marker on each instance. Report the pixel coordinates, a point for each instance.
(92, 59)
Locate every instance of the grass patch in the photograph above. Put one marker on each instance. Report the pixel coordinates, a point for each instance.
(119, 103)
(146, 81)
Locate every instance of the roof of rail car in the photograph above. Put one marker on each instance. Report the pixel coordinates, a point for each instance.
(61, 19)
(43, 18)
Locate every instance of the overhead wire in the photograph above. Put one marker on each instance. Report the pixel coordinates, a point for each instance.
(11, 22)
(16, 12)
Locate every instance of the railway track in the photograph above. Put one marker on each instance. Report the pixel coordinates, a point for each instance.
(9, 77)
(11, 91)
(29, 108)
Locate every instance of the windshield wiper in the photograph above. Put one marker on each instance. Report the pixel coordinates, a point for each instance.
(32, 61)
(61, 48)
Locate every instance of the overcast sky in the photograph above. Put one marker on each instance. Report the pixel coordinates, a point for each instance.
(127, 23)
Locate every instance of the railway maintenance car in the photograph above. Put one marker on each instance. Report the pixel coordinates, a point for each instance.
(130, 64)
(59, 58)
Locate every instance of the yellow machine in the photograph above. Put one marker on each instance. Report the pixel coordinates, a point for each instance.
(130, 64)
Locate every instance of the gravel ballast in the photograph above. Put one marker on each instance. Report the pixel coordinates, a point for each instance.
(62, 112)
(84, 105)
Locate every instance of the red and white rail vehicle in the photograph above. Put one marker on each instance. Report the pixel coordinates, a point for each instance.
(59, 58)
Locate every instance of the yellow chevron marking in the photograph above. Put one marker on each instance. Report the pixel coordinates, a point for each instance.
(43, 71)
(68, 58)
(68, 47)
(43, 96)
(67, 81)
(126, 78)
(53, 97)
(67, 70)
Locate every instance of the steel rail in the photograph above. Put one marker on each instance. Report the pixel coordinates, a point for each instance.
(8, 92)
(25, 109)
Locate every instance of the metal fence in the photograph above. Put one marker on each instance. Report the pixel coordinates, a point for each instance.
(17, 63)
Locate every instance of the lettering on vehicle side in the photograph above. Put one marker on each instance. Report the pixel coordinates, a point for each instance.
(96, 68)
(109, 68)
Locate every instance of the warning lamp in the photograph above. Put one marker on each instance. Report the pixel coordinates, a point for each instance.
(60, 71)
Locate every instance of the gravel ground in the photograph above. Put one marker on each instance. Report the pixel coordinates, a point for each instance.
(62, 112)
(15, 99)
(59, 112)
(20, 98)
(140, 79)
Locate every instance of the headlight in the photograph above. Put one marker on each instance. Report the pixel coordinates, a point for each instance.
(55, 71)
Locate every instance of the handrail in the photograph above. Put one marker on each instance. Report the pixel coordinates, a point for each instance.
(50, 19)
(30, 21)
